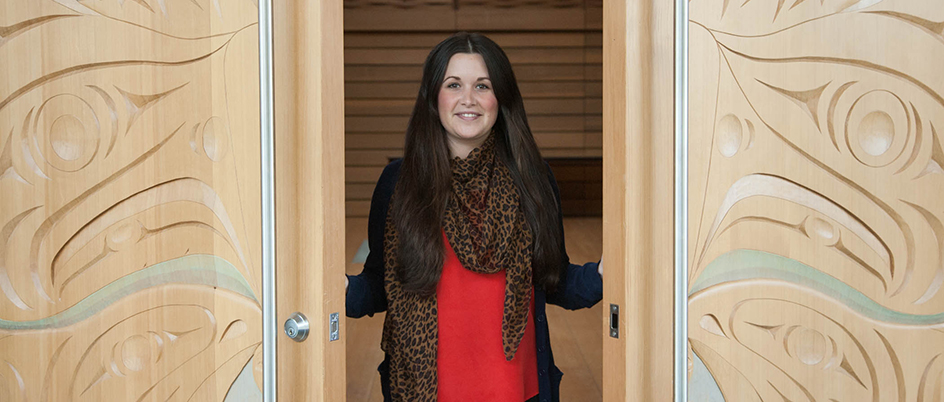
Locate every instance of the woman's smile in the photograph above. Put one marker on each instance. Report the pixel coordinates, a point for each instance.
(468, 116)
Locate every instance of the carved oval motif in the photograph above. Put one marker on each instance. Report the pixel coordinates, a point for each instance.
(809, 346)
(136, 352)
(821, 231)
(215, 138)
(126, 234)
(68, 138)
(730, 135)
(876, 132)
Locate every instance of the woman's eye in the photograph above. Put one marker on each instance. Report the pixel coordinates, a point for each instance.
(482, 86)
(453, 85)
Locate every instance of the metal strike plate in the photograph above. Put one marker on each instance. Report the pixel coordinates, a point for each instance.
(296, 327)
(334, 326)
(614, 321)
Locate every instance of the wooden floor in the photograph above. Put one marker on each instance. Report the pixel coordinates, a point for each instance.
(576, 336)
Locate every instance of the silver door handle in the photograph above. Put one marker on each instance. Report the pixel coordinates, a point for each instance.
(296, 327)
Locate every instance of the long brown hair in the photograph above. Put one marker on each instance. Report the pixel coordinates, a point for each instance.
(423, 188)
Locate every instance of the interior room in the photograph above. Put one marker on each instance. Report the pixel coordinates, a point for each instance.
(555, 47)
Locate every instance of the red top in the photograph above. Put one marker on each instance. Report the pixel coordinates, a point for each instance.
(471, 363)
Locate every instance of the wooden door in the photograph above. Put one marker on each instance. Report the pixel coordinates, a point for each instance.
(816, 199)
(129, 221)
(130, 248)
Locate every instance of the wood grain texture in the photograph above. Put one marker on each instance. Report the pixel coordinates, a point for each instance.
(638, 168)
(580, 183)
(129, 231)
(309, 111)
(817, 248)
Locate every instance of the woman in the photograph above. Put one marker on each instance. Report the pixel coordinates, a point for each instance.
(466, 242)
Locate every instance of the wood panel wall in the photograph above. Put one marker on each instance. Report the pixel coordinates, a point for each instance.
(556, 49)
(580, 181)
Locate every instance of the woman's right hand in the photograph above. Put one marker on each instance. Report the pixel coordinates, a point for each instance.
(346, 283)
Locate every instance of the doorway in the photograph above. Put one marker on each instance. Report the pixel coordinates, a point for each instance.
(556, 51)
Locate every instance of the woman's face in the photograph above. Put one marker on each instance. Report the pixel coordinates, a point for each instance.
(467, 104)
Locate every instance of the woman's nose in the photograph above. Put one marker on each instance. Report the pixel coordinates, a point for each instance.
(468, 97)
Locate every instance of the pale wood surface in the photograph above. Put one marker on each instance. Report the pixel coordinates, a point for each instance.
(816, 243)
(129, 231)
(309, 122)
(638, 166)
(575, 335)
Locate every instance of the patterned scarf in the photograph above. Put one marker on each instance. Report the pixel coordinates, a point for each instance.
(489, 233)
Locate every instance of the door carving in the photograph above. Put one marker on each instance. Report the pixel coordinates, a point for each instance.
(129, 228)
(816, 200)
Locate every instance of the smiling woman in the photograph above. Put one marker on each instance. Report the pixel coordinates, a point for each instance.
(466, 242)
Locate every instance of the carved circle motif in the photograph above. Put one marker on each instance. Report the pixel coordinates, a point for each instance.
(215, 138)
(877, 128)
(876, 133)
(730, 135)
(67, 125)
(66, 137)
(136, 352)
(810, 346)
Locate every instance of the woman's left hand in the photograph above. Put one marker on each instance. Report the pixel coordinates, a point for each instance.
(600, 267)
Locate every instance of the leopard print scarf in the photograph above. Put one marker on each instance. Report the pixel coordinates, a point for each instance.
(489, 233)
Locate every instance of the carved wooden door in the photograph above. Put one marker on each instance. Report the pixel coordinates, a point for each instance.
(130, 214)
(816, 200)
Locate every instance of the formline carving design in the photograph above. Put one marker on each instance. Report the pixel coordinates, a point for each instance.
(816, 183)
(129, 236)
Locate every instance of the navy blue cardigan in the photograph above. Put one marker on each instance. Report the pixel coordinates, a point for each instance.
(580, 287)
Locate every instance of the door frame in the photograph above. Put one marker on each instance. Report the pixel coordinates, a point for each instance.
(642, 144)
(645, 75)
(308, 129)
